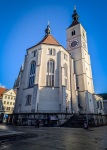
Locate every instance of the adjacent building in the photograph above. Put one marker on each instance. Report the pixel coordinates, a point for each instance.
(99, 105)
(55, 79)
(8, 101)
(2, 90)
(104, 96)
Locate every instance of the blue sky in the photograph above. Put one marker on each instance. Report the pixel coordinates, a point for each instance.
(22, 25)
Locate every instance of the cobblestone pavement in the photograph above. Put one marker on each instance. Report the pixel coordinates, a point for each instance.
(56, 138)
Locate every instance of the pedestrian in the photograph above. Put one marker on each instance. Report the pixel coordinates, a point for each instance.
(37, 123)
(85, 125)
(48, 121)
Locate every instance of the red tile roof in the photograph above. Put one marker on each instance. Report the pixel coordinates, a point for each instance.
(2, 90)
(49, 39)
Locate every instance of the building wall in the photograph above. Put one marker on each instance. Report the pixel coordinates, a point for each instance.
(47, 98)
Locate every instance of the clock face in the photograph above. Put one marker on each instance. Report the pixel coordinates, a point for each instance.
(74, 43)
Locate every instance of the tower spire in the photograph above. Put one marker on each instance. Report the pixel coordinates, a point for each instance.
(75, 15)
(48, 30)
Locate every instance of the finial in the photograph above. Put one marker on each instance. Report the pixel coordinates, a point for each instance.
(48, 30)
(75, 15)
(74, 7)
(48, 23)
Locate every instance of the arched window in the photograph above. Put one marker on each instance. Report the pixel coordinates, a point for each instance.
(65, 75)
(28, 99)
(51, 51)
(50, 73)
(32, 73)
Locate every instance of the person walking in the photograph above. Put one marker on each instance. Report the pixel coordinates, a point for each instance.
(37, 123)
(85, 125)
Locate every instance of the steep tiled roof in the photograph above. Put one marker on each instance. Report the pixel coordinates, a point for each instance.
(2, 90)
(74, 23)
(49, 39)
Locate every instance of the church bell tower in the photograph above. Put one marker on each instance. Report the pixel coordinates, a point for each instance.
(77, 46)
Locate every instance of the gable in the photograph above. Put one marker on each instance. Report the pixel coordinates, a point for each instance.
(10, 92)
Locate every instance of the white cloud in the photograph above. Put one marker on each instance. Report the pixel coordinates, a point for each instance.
(2, 85)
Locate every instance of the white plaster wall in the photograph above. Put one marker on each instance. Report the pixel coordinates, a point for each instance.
(91, 103)
(81, 82)
(48, 99)
(82, 101)
(76, 54)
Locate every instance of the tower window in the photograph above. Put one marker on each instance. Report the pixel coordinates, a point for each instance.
(73, 32)
(32, 74)
(50, 73)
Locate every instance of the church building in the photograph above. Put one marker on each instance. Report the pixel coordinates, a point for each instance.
(54, 79)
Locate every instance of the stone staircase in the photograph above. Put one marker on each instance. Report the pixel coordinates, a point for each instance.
(76, 121)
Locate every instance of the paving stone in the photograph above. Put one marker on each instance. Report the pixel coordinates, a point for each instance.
(57, 138)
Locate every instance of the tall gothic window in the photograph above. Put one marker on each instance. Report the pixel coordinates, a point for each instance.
(65, 75)
(50, 73)
(32, 73)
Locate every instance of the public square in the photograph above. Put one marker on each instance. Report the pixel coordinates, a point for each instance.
(55, 138)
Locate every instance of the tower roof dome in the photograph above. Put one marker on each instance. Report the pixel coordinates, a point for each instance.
(75, 18)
